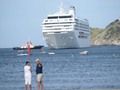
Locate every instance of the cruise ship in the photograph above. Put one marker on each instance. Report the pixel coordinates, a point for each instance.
(65, 30)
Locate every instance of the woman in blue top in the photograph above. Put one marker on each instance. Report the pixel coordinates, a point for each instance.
(39, 74)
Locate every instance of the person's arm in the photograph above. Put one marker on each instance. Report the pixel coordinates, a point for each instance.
(40, 64)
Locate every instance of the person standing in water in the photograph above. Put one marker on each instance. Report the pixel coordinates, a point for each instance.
(39, 74)
(28, 71)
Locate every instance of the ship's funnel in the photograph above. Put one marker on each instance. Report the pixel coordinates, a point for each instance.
(72, 10)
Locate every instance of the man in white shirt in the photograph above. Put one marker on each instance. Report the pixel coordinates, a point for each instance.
(28, 71)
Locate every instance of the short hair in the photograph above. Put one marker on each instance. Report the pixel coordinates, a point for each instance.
(27, 62)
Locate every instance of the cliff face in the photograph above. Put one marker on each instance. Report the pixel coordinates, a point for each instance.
(108, 36)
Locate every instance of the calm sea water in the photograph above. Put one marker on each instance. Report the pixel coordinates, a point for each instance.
(65, 70)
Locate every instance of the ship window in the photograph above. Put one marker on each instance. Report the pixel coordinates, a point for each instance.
(65, 16)
(82, 35)
(46, 20)
(52, 17)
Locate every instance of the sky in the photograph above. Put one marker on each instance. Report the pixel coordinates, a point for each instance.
(20, 20)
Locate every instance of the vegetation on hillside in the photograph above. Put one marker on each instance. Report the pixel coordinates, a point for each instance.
(95, 32)
(108, 36)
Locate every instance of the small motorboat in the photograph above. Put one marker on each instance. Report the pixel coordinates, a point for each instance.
(42, 51)
(84, 52)
(51, 53)
(22, 53)
(25, 52)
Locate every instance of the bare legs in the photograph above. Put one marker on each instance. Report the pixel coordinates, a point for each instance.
(26, 87)
(30, 87)
(40, 84)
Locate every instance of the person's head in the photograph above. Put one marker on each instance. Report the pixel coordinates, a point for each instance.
(27, 63)
(37, 61)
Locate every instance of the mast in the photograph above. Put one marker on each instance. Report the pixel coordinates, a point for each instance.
(28, 48)
(61, 8)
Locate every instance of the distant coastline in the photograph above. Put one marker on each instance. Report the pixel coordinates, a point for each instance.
(108, 36)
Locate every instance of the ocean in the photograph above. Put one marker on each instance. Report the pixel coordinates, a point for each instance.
(64, 70)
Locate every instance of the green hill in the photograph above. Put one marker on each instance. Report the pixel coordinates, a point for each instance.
(108, 36)
(95, 32)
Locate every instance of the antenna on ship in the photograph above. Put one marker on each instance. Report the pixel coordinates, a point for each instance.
(61, 8)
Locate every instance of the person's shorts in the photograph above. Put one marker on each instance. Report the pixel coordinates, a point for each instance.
(27, 79)
(39, 77)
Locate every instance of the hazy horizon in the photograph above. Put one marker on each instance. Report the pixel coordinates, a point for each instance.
(21, 20)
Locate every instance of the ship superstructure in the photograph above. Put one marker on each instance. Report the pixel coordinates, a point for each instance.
(65, 30)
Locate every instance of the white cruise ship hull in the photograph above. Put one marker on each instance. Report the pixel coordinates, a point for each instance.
(65, 30)
(68, 39)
